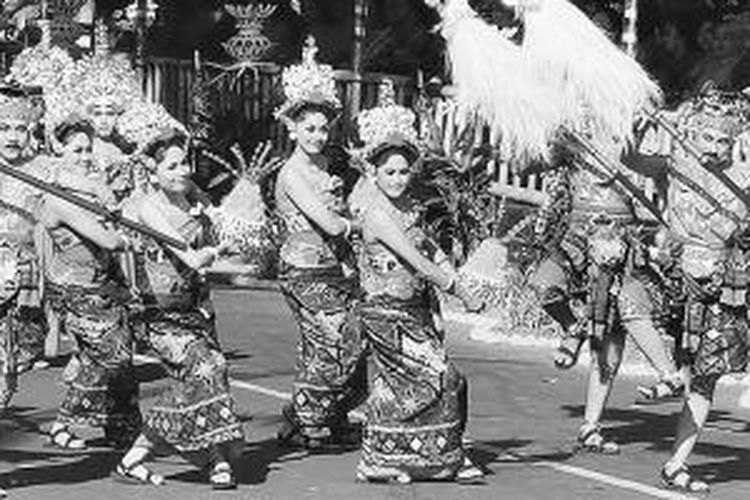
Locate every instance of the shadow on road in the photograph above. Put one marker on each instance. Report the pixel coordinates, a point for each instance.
(730, 463)
(80, 468)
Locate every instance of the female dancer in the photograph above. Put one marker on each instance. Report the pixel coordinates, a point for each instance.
(86, 284)
(331, 374)
(195, 415)
(417, 410)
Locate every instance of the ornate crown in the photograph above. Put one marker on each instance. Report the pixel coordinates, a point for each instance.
(18, 103)
(143, 121)
(717, 109)
(308, 83)
(249, 44)
(102, 76)
(387, 126)
(41, 65)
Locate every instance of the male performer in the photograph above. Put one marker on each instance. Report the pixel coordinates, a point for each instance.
(21, 321)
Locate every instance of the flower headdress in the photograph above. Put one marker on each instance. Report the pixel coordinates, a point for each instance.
(19, 103)
(144, 121)
(42, 65)
(388, 126)
(308, 84)
(103, 77)
(717, 109)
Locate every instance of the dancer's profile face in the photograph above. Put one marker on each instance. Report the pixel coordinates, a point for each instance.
(311, 131)
(393, 174)
(713, 143)
(173, 171)
(103, 115)
(14, 137)
(77, 150)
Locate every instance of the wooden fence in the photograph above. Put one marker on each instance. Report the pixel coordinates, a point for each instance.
(255, 92)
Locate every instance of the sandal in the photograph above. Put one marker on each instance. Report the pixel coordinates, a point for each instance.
(137, 474)
(591, 440)
(662, 391)
(222, 477)
(63, 439)
(469, 473)
(568, 352)
(681, 480)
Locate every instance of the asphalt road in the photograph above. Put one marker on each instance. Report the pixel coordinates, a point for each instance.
(524, 415)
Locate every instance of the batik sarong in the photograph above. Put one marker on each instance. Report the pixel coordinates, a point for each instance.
(22, 322)
(102, 387)
(417, 409)
(195, 411)
(717, 332)
(331, 370)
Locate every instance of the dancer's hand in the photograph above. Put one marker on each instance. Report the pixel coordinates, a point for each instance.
(469, 294)
(261, 163)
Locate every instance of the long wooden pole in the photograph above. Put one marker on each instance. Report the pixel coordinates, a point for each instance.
(90, 206)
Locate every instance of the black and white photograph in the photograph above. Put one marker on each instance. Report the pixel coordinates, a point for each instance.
(374, 249)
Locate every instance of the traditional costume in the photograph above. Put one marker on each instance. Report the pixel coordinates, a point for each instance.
(22, 328)
(330, 377)
(416, 412)
(591, 94)
(711, 248)
(195, 411)
(103, 83)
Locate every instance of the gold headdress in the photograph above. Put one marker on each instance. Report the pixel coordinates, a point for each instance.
(102, 77)
(42, 65)
(388, 126)
(144, 121)
(17, 103)
(713, 108)
(308, 84)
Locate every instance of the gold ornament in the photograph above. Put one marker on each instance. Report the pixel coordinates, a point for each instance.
(249, 44)
(308, 83)
(387, 126)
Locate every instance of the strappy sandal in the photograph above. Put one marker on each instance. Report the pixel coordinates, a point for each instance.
(63, 439)
(662, 391)
(469, 473)
(222, 477)
(127, 475)
(374, 474)
(591, 440)
(568, 352)
(682, 481)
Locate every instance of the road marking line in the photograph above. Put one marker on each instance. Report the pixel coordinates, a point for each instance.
(566, 469)
(613, 481)
(285, 396)
(260, 389)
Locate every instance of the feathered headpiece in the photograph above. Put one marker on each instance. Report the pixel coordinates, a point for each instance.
(308, 84)
(601, 88)
(143, 121)
(565, 73)
(387, 126)
(495, 85)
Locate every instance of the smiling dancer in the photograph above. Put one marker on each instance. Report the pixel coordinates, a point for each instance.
(331, 374)
(417, 411)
